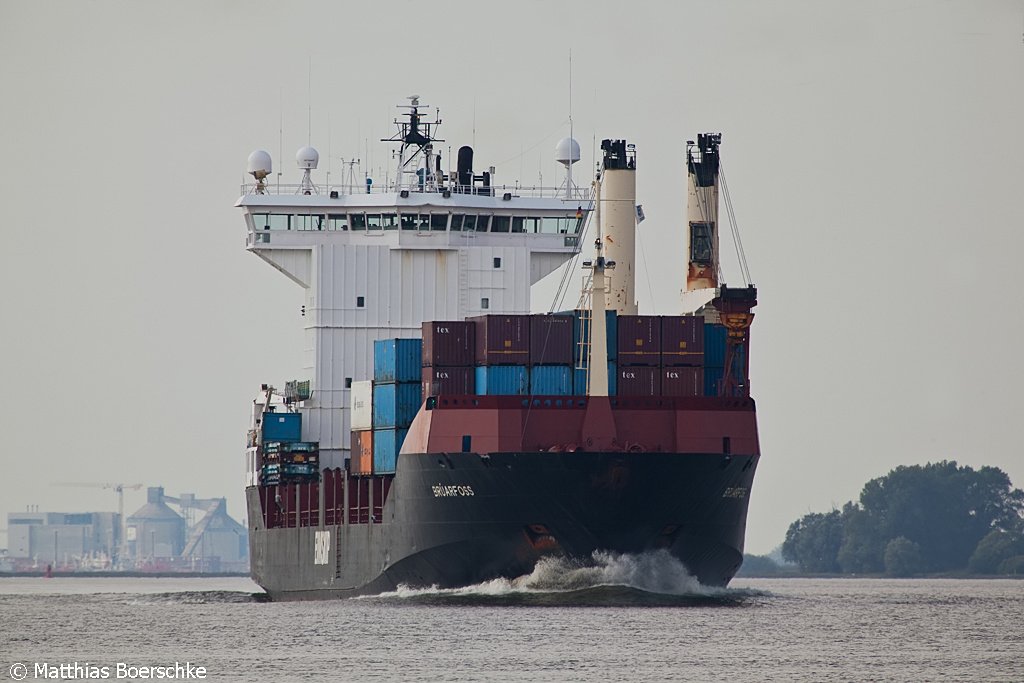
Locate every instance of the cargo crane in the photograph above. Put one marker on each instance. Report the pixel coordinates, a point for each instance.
(119, 489)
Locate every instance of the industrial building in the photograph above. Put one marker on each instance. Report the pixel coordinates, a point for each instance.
(198, 536)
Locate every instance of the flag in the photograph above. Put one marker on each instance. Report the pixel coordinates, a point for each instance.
(640, 213)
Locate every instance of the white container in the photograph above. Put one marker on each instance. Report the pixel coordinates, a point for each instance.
(362, 405)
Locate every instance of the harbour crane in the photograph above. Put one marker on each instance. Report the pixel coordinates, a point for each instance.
(119, 490)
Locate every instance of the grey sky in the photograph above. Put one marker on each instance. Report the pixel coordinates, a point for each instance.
(873, 150)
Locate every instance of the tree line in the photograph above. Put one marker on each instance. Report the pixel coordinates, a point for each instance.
(933, 518)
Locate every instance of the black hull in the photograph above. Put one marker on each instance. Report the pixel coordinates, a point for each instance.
(457, 519)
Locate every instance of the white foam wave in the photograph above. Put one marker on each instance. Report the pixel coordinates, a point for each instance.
(653, 572)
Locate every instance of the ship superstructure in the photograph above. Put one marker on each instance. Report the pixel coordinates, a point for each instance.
(377, 263)
(444, 435)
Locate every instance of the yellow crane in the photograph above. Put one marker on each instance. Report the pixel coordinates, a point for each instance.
(122, 551)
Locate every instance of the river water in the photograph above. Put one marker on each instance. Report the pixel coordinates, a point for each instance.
(623, 619)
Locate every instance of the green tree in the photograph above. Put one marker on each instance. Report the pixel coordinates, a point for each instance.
(997, 547)
(758, 565)
(943, 508)
(902, 557)
(862, 548)
(813, 542)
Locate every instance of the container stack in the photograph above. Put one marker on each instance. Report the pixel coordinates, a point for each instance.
(361, 458)
(682, 355)
(502, 354)
(715, 345)
(284, 458)
(639, 359)
(449, 350)
(396, 397)
(551, 352)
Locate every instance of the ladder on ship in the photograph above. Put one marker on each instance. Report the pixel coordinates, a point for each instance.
(582, 360)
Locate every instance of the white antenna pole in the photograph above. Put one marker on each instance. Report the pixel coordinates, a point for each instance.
(309, 103)
(280, 139)
(568, 168)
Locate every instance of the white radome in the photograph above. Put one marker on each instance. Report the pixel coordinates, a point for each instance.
(567, 151)
(260, 163)
(307, 158)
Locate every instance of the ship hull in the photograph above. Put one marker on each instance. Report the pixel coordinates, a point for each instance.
(455, 519)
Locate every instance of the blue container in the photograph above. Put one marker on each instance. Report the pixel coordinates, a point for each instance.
(502, 380)
(551, 380)
(387, 444)
(395, 405)
(714, 346)
(579, 380)
(282, 426)
(397, 360)
(611, 320)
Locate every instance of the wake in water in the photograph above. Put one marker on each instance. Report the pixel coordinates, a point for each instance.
(608, 579)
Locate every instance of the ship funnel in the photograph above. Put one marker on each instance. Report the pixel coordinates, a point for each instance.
(618, 223)
(702, 211)
(465, 166)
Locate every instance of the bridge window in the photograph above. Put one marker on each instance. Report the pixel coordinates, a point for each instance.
(271, 221)
(313, 222)
(337, 221)
(469, 223)
(531, 225)
(482, 222)
(378, 221)
(457, 222)
(500, 223)
(438, 221)
(358, 221)
(517, 224)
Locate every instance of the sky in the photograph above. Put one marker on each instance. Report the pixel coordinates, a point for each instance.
(874, 152)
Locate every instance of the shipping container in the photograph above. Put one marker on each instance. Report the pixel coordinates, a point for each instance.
(502, 380)
(551, 380)
(502, 339)
(387, 444)
(450, 381)
(682, 340)
(395, 405)
(449, 343)
(714, 345)
(282, 426)
(682, 381)
(361, 402)
(551, 339)
(361, 456)
(639, 340)
(638, 380)
(579, 380)
(582, 335)
(397, 360)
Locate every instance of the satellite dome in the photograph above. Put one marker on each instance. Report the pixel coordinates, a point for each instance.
(307, 158)
(567, 151)
(259, 163)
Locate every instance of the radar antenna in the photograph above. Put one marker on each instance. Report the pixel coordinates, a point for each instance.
(419, 168)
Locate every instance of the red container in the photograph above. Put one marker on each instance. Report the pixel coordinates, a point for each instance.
(550, 340)
(502, 339)
(450, 381)
(639, 340)
(682, 340)
(449, 343)
(361, 458)
(682, 381)
(638, 380)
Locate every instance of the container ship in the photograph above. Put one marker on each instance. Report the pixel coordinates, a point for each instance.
(443, 435)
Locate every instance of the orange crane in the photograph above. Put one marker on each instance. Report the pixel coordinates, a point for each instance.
(122, 551)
